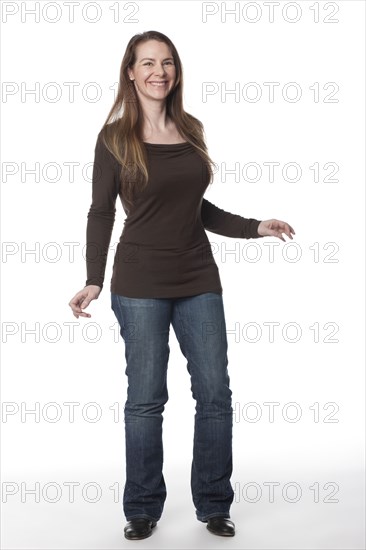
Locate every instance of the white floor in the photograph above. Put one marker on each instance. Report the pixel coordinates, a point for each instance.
(261, 525)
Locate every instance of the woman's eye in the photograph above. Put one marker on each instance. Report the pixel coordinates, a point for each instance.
(166, 62)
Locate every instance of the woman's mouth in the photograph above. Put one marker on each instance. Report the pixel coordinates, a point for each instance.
(158, 83)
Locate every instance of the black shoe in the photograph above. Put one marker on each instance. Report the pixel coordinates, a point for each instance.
(220, 525)
(139, 528)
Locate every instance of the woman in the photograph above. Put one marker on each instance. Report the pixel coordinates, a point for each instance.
(164, 273)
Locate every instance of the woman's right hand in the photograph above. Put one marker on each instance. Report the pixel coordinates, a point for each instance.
(82, 299)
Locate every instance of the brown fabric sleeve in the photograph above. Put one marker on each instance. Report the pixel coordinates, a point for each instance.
(101, 215)
(227, 224)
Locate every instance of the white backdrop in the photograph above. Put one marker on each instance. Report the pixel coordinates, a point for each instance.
(294, 311)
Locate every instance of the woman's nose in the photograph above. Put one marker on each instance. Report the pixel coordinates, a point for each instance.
(160, 70)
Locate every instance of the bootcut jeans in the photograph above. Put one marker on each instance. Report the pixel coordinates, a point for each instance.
(199, 324)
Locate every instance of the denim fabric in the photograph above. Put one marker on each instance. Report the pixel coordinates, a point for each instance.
(199, 324)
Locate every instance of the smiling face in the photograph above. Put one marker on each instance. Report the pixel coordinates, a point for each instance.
(154, 70)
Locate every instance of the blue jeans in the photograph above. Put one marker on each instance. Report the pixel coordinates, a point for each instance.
(199, 325)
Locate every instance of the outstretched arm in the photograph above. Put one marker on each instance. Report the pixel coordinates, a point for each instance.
(224, 223)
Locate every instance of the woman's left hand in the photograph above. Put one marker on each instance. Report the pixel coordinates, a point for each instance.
(275, 228)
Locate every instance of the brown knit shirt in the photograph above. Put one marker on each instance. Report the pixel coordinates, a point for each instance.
(163, 251)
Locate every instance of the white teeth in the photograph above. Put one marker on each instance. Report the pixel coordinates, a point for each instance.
(157, 83)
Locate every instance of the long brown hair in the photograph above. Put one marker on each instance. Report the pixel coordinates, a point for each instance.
(122, 135)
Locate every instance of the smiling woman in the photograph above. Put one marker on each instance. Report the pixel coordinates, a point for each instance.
(153, 72)
(154, 157)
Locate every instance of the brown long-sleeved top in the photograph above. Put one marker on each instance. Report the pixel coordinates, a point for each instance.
(163, 251)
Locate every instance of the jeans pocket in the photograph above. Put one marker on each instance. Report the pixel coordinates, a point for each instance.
(130, 314)
(126, 301)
